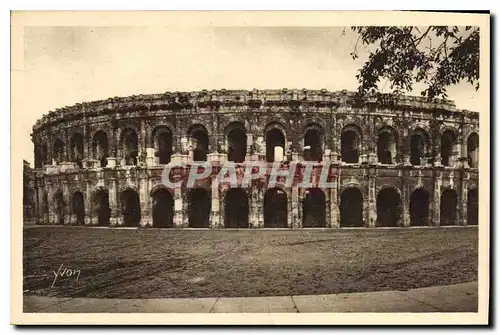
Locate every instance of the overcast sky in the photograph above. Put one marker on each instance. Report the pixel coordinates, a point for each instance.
(67, 65)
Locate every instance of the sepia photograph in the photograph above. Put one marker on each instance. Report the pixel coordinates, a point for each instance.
(282, 167)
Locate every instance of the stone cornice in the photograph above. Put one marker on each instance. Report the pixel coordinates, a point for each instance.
(292, 98)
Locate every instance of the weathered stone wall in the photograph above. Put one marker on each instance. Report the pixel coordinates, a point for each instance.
(291, 112)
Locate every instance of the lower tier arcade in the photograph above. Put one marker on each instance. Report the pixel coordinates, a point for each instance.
(358, 196)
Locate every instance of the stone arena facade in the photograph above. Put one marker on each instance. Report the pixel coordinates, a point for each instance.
(408, 163)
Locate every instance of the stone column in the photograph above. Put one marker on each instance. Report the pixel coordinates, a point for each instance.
(334, 205)
(436, 203)
(465, 155)
(298, 210)
(260, 207)
(405, 202)
(462, 204)
(436, 144)
(89, 218)
(66, 147)
(145, 201)
(67, 200)
(215, 210)
(456, 155)
(292, 206)
(256, 219)
(116, 218)
(253, 199)
(52, 217)
(117, 150)
(178, 208)
(370, 203)
(335, 154)
(405, 148)
(185, 209)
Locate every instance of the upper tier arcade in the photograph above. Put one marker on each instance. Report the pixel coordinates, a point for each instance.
(150, 130)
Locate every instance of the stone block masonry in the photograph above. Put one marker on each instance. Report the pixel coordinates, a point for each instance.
(411, 163)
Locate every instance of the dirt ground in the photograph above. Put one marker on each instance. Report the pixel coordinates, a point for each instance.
(153, 263)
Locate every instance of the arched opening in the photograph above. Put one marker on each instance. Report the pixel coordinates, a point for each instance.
(131, 208)
(199, 140)
(163, 144)
(314, 208)
(78, 208)
(77, 149)
(418, 148)
(419, 207)
(473, 150)
(100, 146)
(351, 208)
(163, 209)
(386, 146)
(275, 208)
(59, 207)
(448, 140)
(448, 209)
(130, 146)
(58, 154)
(237, 144)
(388, 207)
(313, 145)
(199, 208)
(275, 143)
(472, 207)
(102, 209)
(349, 144)
(236, 208)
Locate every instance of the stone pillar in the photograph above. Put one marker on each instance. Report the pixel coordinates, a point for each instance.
(405, 202)
(335, 154)
(293, 207)
(178, 208)
(406, 148)
(462, 204)
(370, 204)
(66, 147)
(116, 218)
(67, 200)
(465, 155)
(185, 209)
(436, 144)
(145, 201)
(253, 219)
(260, 207)
(117, 149)
(456, 155)
(89, 218)
(142, 137)
(215, 209)
(256, 219)
(52, 217)
(334, 205)
(436, 203)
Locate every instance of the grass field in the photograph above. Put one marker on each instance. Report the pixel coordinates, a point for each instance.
(117, 263)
